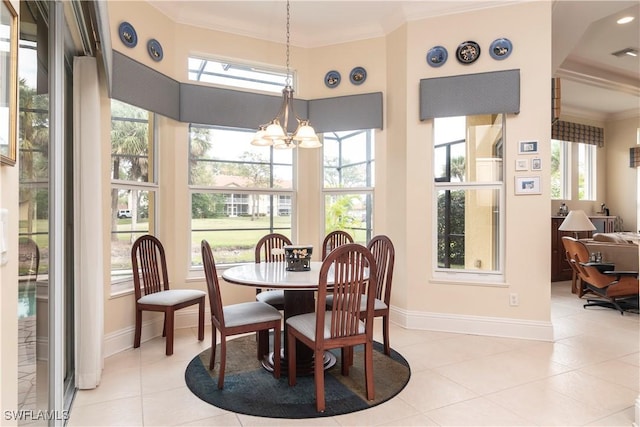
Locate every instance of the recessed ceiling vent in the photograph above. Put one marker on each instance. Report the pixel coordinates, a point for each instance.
(629, 51)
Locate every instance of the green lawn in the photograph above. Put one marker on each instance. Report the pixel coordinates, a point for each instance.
(229, 246)
(216, 230)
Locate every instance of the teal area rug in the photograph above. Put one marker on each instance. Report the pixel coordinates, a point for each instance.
(250, 389)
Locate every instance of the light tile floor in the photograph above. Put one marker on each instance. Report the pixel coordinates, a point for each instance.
(588, 377)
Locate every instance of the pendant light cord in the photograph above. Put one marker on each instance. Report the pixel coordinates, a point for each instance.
(288, 81)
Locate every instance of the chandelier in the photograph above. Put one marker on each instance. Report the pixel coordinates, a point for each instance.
(275, 132)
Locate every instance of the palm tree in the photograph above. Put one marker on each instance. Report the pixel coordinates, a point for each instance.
(199, 146)
(458, 166)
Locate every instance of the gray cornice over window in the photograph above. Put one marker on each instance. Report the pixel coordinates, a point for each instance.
(139, 85)
(469, 94)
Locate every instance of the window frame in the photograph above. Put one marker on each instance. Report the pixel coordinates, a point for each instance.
(570, 176)
(275, 192)
(590, 172)
(565, 169)
(122, 280)
(250, 67)
(366, 191)
(470, 276)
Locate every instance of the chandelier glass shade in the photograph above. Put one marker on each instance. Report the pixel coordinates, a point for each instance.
(275, 132)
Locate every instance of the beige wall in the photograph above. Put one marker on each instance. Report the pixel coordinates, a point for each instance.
(403, 207)
(621, 182)
(528, 27)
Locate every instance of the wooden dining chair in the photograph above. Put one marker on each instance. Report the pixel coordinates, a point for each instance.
(333, 240)
(152, 292)
(270, 248)
(236, 319)
(349, 275)
(384, 253)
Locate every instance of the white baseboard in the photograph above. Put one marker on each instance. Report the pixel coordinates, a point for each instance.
(474, 325)
(121, 340)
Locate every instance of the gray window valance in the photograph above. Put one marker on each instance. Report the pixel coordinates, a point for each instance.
(469, 94)
(576, 132)
(139, 85)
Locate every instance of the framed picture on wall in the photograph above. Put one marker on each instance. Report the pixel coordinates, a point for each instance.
(528, 185)
(528, 147)
(536, 164)
(522, 164)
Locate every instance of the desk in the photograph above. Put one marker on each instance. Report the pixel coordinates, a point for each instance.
(299, 288)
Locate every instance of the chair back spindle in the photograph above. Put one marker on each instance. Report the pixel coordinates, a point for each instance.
(383, 252)
(333, 240)
(213, 285)
(354, 275)
(149, 266)
(265, 246)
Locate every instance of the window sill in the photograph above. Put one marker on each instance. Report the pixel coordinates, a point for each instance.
(196, 274)
(121, 288)
(469, 279)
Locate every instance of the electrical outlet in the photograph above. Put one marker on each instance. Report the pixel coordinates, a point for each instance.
(513, 300)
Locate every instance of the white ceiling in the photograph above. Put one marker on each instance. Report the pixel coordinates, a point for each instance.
(595, 83)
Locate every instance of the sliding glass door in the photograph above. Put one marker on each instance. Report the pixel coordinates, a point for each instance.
(45, 282)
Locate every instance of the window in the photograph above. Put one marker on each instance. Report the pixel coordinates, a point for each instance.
(33, 144)
(586, 172)
(561, 166)
(560, 188)
(348, 159)
(240, 76)
(133, 185)
(469, 194)
(239, 192)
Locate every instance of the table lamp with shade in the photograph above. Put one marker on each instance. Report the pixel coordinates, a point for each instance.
(577, 221)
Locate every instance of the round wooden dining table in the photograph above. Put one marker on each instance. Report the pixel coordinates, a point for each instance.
(299, 298)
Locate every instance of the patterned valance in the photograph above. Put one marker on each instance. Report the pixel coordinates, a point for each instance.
(576, 132)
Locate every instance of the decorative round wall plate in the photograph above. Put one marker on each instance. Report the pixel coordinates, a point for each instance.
(358, 75)
(332, 79)
(127, 34)
(155, 50)
(436, 56)
(500, 48)
(468, 52)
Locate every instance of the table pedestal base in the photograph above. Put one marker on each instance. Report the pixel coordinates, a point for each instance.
(302, 369)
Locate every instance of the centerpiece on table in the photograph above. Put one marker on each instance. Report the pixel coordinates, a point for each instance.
(298, 257)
